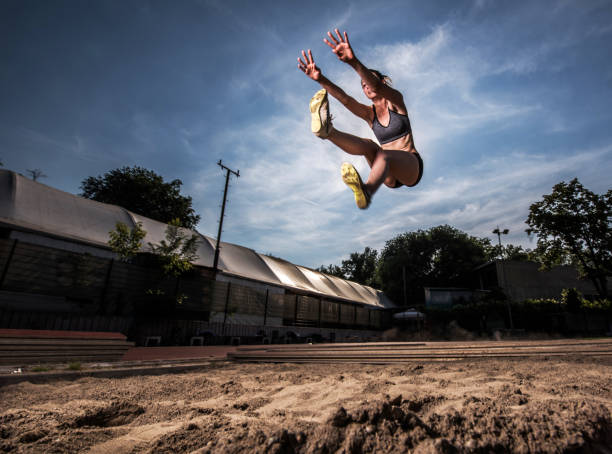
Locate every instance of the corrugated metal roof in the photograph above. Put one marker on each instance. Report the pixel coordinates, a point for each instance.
(37, 207)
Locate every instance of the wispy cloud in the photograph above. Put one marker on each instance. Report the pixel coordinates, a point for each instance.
(291, 199)
(505, 101)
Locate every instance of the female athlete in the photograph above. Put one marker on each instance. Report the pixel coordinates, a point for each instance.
(395, 162)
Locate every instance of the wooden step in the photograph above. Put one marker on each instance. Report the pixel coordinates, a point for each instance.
(19, 346)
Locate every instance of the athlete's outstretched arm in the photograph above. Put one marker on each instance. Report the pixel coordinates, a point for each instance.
(308, 66)
(341, 46)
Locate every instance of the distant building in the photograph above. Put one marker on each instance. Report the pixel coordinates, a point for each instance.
(521, 280)
(445, 297)
(54, 258)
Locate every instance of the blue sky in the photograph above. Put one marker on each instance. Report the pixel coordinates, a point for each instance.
(506, 99)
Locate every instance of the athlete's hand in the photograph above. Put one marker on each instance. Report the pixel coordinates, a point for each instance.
(308, 66)
(341, 46)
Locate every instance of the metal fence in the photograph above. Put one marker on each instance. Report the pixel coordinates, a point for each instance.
(47, 288)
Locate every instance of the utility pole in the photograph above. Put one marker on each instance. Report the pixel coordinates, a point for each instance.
(228, 171)
(499, 233)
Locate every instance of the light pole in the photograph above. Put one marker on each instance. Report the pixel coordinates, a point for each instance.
(499, 233)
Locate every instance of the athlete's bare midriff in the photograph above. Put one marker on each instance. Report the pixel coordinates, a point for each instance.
(404, 143)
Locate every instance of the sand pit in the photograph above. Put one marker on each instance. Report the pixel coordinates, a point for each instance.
(544, 404)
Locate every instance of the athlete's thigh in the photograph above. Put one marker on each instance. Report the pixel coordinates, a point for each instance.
(403, 166)
(370, 155)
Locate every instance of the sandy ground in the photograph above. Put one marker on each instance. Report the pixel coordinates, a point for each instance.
(495, 405)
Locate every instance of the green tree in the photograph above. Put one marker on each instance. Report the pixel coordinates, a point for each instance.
(439, 257)
(36, 174)
(573, 225)
(143, 192)
(361, 267)
(126, 242)
(508, 252)
(333, 270)
(572, 299)
(175, 254)
(177, 251)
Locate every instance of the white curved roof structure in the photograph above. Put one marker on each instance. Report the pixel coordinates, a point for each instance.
(35, 207)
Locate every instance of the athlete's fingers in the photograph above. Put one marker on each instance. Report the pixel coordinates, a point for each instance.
(301, 64)
(339, 35)
(310, 56)
(305, 58)
(332, 38)
(328, 43)
(346, 38)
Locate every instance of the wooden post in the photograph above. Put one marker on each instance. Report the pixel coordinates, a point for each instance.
(106, 281)
(266, 307)
(227, 296)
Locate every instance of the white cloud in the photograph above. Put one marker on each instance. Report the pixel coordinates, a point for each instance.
(291, 202)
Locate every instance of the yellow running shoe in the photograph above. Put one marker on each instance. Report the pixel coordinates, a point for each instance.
(320, 120)
(351, 178)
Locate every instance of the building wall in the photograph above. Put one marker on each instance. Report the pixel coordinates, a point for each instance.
(441, 298)
(80, 289)
(524, 280)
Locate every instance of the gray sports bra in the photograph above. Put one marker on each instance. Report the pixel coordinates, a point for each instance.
(399, 126)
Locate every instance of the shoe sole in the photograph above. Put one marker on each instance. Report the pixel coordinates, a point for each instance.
(316, 124)
(351, 178)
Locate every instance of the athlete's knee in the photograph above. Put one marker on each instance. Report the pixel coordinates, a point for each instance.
(373, 149)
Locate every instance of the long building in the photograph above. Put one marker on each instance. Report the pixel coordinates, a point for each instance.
(48, 236)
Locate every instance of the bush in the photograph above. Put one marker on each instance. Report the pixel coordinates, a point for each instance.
(597, 305)
(572, 299)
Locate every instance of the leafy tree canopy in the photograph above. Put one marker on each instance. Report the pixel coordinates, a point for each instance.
(574, 225)
(144, 192)
(333, 270)
(177, 251)
(126, 242)
(439, 257)
(359, 267)
(508, 252)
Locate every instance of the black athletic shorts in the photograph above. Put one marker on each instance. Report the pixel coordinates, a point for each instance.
(399, 185)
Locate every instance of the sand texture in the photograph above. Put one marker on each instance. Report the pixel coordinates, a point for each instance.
(477, 405)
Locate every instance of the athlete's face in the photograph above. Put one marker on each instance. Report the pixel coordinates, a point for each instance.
(370, 94)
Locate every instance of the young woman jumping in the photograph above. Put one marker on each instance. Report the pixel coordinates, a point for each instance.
(395, 162)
